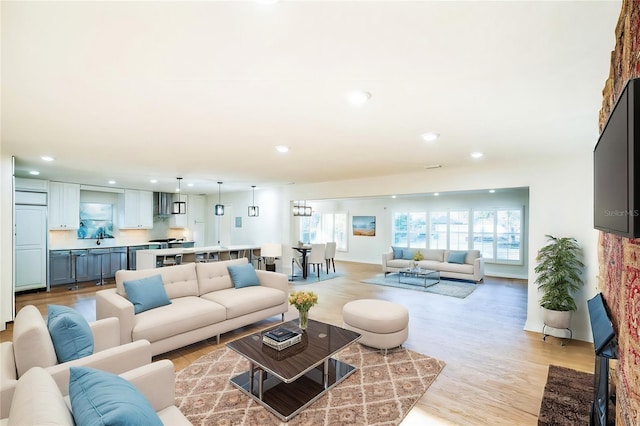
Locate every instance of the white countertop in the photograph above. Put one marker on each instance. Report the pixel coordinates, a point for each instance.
(174, 251)
(106, 243)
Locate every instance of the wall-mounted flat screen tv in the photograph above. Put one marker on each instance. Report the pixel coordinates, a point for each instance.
(617, 167)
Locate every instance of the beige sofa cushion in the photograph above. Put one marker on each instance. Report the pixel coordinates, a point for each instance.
(32, 345)
(38, 401)
(456, 267)
(214, 276)
(184, 314)
(179, 280)
(246, 300)
(433, 254)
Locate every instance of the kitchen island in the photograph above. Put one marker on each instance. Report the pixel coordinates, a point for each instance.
(148, 259)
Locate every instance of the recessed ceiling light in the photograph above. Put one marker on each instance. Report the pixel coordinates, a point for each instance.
(476, 154)
(435, 194)
(429, 136)
(34, 172)
(393, 196)
(491, 191)
(358, 97)
(112, 182)
(154, 181)
(47, 158)
(282, 148)
(189, 184)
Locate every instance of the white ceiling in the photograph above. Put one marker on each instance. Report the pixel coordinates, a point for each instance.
(132, 91)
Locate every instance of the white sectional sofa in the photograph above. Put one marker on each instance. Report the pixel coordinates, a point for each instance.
(32, 347)
(461, 264)
(39, 401)
(203, 303)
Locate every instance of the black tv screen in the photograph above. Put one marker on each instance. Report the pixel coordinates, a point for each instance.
(617, 168)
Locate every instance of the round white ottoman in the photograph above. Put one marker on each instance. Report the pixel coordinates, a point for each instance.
(382, 324)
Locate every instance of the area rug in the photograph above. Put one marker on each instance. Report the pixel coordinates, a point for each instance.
(459, 289)
(567, 397)
(380, 392)
(313, 278)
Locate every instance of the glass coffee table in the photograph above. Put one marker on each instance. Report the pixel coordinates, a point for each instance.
(287, 381)
(430, 277)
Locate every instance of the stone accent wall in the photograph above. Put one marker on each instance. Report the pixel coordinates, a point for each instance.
(619, 258)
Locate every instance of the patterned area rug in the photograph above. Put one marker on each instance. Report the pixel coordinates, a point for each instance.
(380, 392)
(567, 397)
(459, 289)
(312, 277)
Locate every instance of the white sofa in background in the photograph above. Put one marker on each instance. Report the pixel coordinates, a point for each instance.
(32, 347)
(38, 400)
(204, 303)
(438, 260)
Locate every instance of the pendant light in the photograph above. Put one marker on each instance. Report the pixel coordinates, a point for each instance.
(253, 211)
(300, 208)
(179, 207)
(219, 208)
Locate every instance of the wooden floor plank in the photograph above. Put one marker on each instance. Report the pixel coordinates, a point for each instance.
(495, 371)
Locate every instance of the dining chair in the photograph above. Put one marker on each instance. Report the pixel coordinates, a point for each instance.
(271, 252)
(330, 254)
(296, 260)
(316, 257)
(256, 257)
(225, 255)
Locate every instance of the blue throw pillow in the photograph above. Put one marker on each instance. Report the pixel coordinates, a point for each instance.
(408, 253)
(243, 275)
(70, 333)
(457, 257)
(397, 252)
(146, 293)
(102, 398)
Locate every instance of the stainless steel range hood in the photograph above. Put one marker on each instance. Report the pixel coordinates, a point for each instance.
(162, 203)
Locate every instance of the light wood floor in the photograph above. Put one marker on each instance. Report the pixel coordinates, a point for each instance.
(495, 372)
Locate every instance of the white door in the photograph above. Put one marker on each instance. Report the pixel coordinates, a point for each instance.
(30, 247)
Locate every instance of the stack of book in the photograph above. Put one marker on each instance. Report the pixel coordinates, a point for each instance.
(281, 338)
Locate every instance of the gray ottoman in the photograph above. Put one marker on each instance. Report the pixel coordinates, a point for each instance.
(382, 324)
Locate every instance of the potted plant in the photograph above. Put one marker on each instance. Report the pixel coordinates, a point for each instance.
(558, 272)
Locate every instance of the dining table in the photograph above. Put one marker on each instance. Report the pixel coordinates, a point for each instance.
(303, 250)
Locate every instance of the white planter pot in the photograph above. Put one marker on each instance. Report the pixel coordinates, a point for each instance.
(557, 319)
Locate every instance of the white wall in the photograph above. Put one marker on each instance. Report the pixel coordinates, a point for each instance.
(6, 239)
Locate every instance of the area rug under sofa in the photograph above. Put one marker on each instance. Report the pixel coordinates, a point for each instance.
(381, 391)
(459, 289)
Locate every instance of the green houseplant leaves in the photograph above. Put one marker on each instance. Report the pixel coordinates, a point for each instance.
(559, 273)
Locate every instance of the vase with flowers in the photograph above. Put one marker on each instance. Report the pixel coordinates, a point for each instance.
(303, 301)
(417, 257)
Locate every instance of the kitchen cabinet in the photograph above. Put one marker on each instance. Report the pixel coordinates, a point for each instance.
(59, 267)
(136, 209)
(117, 260)
(30, 250)
(64, 206)
(80, 265)
(99, 263)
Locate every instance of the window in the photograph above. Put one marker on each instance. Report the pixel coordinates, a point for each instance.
(497, 233)
(509, 227)
(399, 231)
(438, 223)
(459, 230)
(320, 228)
(417, 229)
(484, 222)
